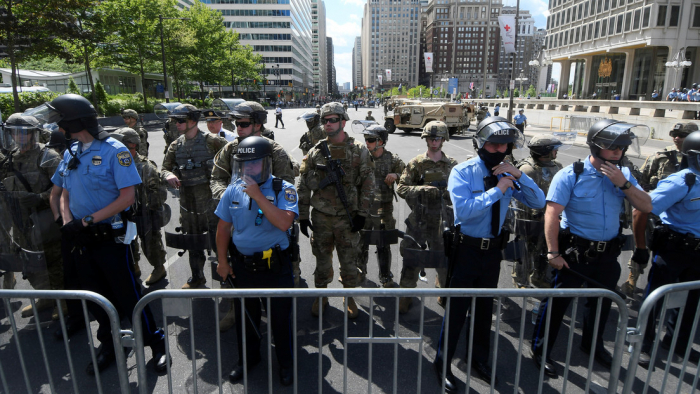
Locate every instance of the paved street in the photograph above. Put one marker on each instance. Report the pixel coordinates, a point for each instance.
(407, 146)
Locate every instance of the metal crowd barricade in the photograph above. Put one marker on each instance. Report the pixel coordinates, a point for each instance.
(108, 307)
(179, 303)
(673, 296)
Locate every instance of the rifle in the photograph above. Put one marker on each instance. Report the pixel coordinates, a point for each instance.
(334, 174)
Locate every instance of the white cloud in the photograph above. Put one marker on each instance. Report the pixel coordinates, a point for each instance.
(343, 67)
(360, 3)
(354, 17)
(343, 34)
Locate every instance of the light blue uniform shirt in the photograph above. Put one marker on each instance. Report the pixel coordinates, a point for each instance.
(472, 204)
(591, 207)
(675, 206)
(672, 95)
(520, 118)
(238, 208)
(104, 169)
(692, 94)
(683, 96)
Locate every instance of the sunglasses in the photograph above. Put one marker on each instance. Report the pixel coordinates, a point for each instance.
(180, 120)
(370, 140)
(330, 120)
(435, 139)
(243, 125)
(616, 147)
(213, 120)
(259, 218)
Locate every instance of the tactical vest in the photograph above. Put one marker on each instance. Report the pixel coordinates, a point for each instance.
(193, 160)
(545, 173)
(28, 164)
(382, 167)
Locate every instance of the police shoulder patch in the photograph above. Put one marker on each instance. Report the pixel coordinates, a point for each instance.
(124, 158)
(290, 194)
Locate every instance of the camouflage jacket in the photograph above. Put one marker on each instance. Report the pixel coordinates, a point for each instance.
(213, 145)
(311, 138)
(659, 166)
(358, 181)
(170, 133)
(282, 166)
(151, 193)
(383, 165)
(420, 171)
(542, 174)
(143, 136)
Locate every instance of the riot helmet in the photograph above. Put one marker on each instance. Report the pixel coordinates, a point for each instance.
(130, 113)
(185, 111)
(691, 151)
(73, 113)
(311, 118)
(253, 158)
(371, 129)
(251, 110)
(496, 130)
(613, 134)
(543, 146)
(21, 132)
(682, 130)
(57, 142)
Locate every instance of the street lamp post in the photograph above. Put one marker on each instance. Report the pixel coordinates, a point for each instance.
(162, 50)
(678, 63)
(521, 78)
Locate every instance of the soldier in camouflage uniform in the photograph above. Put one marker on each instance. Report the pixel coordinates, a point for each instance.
(424, 223)
(388, 167)
(27, 170)
(481, 113)
(187, 165)
(131, 118)
(151, 194)
(369, 116)
(250, 119)
(338, 222)
(315, 132)
(540, 167)
(657, 167)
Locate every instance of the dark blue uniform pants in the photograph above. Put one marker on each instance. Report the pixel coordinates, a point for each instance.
(105, 268)
(280, 313)
(670, 266)
(479, 269)
(603, 268)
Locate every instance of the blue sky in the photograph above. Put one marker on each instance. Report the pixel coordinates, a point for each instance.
(344, 21)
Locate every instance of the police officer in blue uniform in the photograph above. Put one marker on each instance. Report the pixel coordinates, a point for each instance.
(98, 177)
(260, 209)
(589, 197)
(676, 244)
(481, 189)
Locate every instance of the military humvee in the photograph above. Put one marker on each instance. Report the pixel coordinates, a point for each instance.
(414, 116)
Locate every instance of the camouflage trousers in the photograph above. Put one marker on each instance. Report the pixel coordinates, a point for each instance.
(329, 232)
(426, 232)
(50, 278)
(532, 267)
(381, 218)
(152, 244)
(198, 221)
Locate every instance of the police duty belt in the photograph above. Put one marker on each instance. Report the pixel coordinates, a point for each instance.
(190, 241)
(24, 261)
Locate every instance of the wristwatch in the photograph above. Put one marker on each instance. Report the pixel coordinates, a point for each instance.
(626, 186)
(88, 219)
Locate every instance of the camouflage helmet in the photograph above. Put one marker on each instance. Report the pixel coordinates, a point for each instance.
(20, 120)
(377, 131)
(129, 136)
(186, 111)
(251, 110)
(543, 145)
(683, 129)
(130, 113)
(334, 108)
(436, 128)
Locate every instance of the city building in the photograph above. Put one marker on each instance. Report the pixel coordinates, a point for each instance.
(457, 33)
(280, 31)
(347, 86)
(318, 43)
(357, 63)
(390, 41)
(330, 67)
(529, 43)
(622, 47)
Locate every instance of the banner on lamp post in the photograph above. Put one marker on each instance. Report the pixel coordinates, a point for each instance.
(507, 24)
(428, 56)
(388, 75)
(379, 77)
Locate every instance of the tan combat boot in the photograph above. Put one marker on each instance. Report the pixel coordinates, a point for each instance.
(352, 308)
(64, 308)
(405, 304)
(41, 304)
(315, 307)
(229, 320)
(193, 283)
(157, 274)
(629, 287)
(136, 270)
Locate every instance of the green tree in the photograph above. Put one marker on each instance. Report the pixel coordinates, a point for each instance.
(531, 91)
(100, 93)
(72, 86)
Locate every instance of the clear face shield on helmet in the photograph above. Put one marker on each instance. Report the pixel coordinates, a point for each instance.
(310, 117)
(258, 170)
(500, 133)
(626, 135)
(359, 126)
(44, 113)
(20, 137)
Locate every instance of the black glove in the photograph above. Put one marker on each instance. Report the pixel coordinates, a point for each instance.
(358, 223)
(641, 257)
(304, 225)
(73, 229)
(59, 221)
(28, 200)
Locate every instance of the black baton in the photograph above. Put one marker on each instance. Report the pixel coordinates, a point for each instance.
(229, 280)
(593, 282)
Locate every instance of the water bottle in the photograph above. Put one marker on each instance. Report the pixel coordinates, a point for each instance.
(535, 312)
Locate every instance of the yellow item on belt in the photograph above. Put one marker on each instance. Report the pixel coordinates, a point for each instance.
(267, 255)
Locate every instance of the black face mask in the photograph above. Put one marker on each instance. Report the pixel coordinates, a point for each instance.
(491, 159)
(71, 126)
